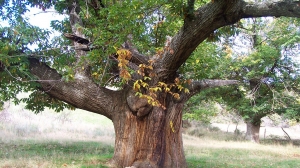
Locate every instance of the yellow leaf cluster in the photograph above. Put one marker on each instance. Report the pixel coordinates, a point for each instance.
(124, 54)
(125, 74)
(142, 67)
(141, 86)
(123, 57)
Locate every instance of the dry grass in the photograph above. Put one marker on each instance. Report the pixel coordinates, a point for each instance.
(216, 148)
(82, 139)
(17, 123)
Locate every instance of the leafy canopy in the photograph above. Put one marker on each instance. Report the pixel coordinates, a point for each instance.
(106, 25)
(268, 68)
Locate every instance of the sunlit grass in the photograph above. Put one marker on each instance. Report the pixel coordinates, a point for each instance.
(203, 152)
(78, 139)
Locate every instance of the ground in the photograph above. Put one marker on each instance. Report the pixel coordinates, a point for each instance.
(83, 139)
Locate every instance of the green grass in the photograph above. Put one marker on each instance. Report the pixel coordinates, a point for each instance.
(77, 139)
(231, 158)
(28, 153)
(81, 154)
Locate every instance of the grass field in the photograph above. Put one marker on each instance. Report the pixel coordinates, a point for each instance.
(81, 139)
(220, 153)
(31, 153)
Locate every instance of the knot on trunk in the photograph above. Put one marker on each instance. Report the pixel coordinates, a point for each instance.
(139, 106)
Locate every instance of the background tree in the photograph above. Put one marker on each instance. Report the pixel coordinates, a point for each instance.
(119, 43)
(268, 68)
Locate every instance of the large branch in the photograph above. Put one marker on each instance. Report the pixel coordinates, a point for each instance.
(197, 86)
(211, 17)
(288, 8)
(80, 93)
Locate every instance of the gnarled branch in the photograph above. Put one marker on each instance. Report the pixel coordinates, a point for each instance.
(80, 93)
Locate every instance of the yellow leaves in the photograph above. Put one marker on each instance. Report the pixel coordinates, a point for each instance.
(124, 54)
(125, 74)
(136, 86)
(186, 90)
(123, 57)
(141, 86)
(167, 89)
(162, 84)
(155, 89)
(95, 74)
(123, 63)
(151, 99)
(172, 127)
(176, 96)
(180, 87)
(177, 81)
(142, 68)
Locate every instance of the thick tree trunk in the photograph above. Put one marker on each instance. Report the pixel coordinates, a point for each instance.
(252, 133)
(154, 140)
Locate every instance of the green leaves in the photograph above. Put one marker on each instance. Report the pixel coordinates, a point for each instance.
(268, 72)
(38, 101)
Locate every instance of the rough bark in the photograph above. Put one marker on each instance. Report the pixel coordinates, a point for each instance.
(81, 93)
(252, 133)
(151, 141)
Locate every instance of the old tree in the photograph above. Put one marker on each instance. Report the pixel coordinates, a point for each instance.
(124, 44)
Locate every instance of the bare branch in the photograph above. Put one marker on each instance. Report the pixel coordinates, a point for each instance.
(198, 86)
(288, 8)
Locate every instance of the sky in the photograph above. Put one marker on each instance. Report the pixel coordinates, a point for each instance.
(42, 19)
